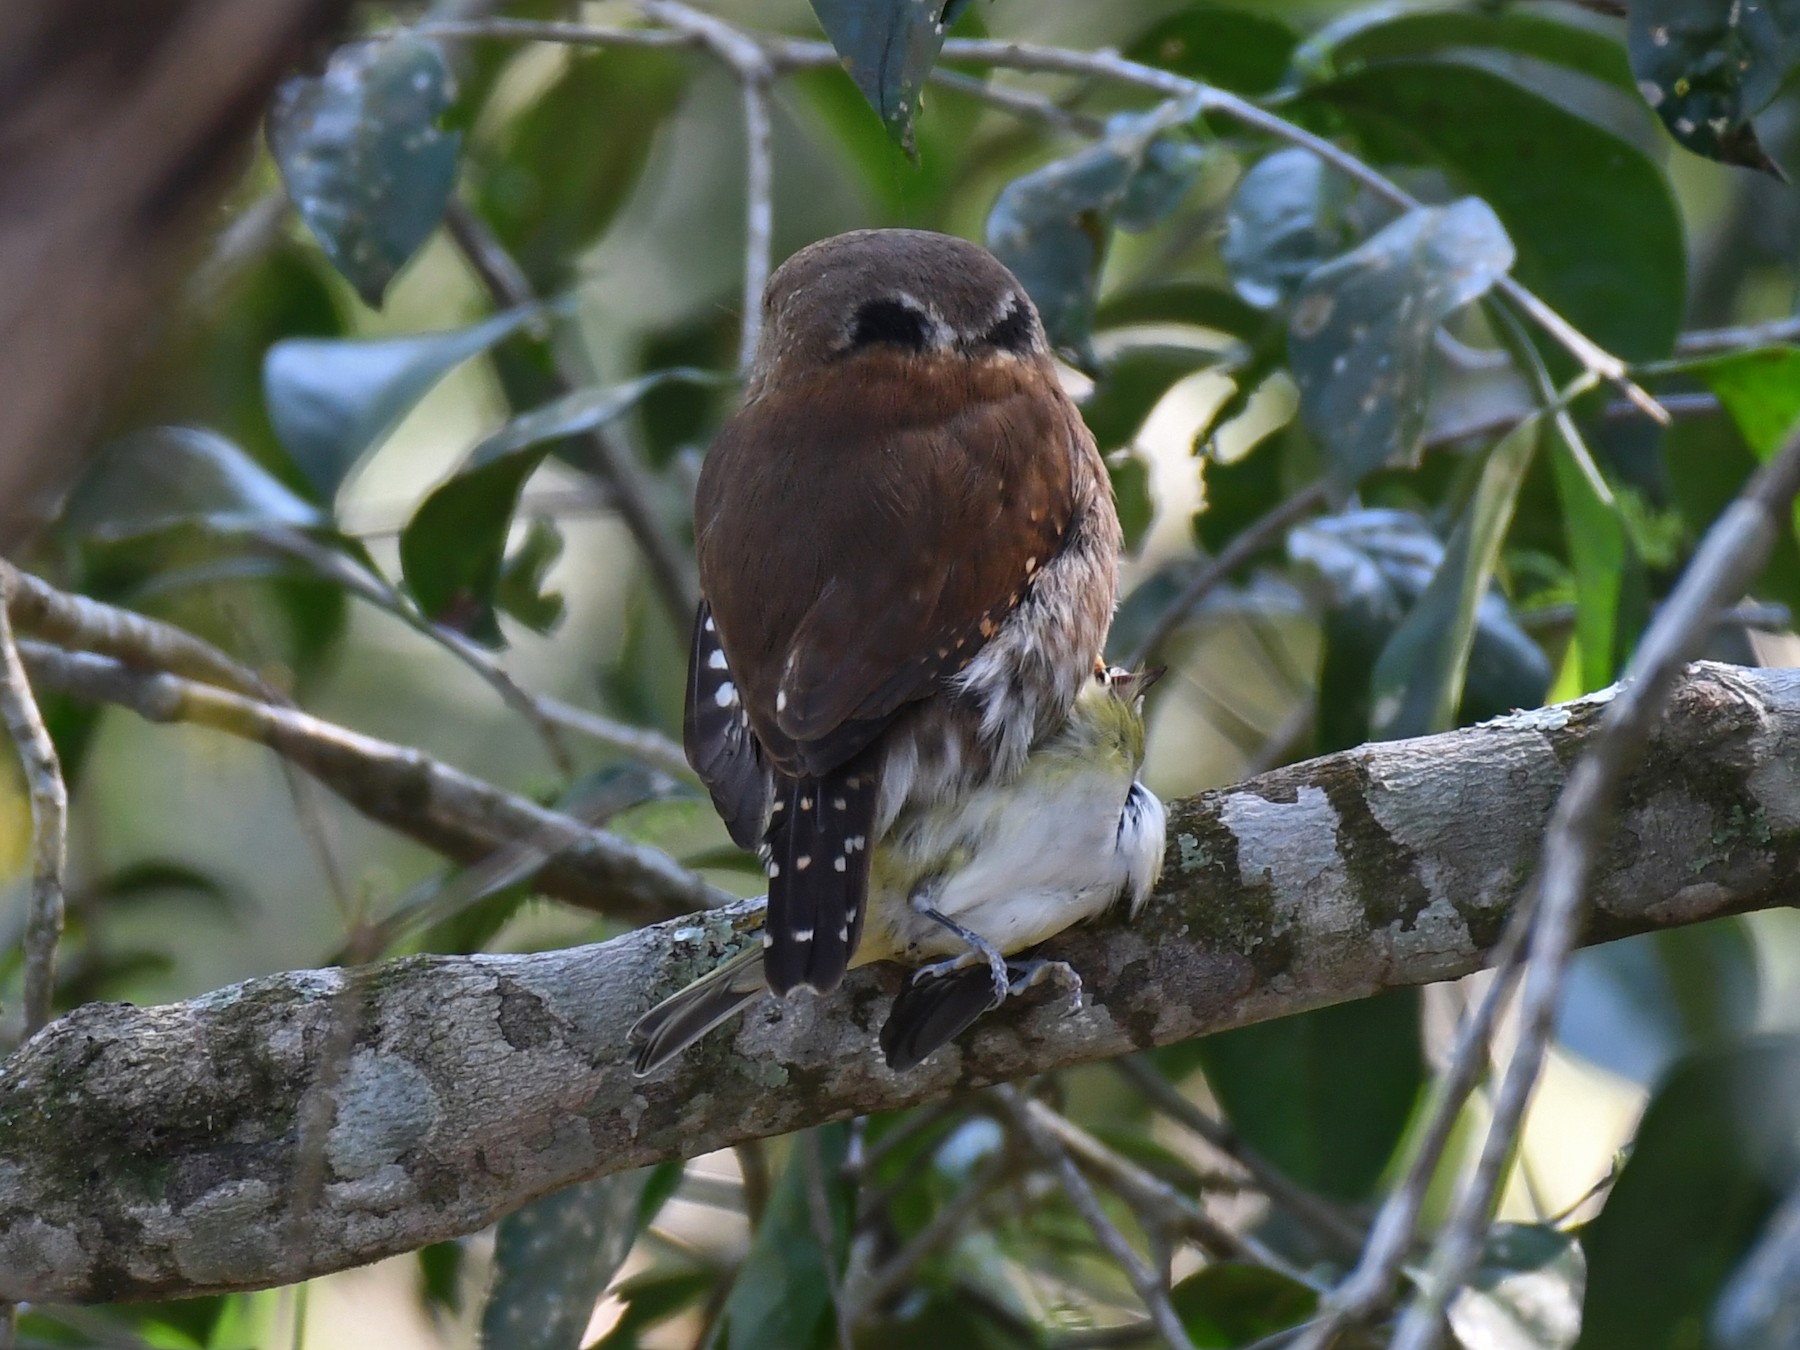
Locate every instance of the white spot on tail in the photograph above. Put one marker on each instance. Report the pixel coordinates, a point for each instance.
(837, 865)
(715, 660)
(803, 862)
(727, 695)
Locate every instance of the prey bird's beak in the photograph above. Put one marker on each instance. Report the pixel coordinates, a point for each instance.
(1139, 681)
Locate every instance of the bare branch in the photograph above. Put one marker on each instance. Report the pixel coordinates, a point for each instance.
(49, 827)
(150, 1152)
(443, 808)
(39, 610)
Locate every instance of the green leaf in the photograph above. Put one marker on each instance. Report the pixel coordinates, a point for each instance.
(1637, 1005)
(452, 549)
(333, 401)
(364, 157)
(1597, 554)
(440, 1277)
(165, 477)
(549, 191)
(1232, 1304)
(1707, 66)
(1417, 684)
(1760, 1306)
(1288, 215)
(1713, 1155)
(1183, 302)
(652, 1298)
(1597, 231)
(1362, 329)
(1131, 491)
(1374, 565)
(782, 1297)
(1324, 1095)
(554, 1258)
(1133, 382)
(520, 591)
(1051, 227)
(1525, 1294)
(1761, 391)
(1575, 46)
(1231, 48)
(889, 47)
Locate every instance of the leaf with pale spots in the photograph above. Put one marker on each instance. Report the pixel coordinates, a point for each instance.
(554, 1258)
(1052, 226)
(1362, 329)
(1289, 214)
(889, 47)
(364, 157)
(1708, 66)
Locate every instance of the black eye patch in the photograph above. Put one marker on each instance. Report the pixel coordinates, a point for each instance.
(891, 323)
(1015, 332)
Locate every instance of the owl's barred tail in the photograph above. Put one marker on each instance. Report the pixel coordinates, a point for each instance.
(683, 1018)
(818, 862)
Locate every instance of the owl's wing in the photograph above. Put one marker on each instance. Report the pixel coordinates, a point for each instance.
(888, 548)
(715, 732)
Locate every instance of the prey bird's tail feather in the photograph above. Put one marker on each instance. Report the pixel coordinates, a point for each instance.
(817, 852)
(931, 1010)
(683, 1018)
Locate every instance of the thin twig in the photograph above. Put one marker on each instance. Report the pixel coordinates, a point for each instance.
(506, 283)
(1370, 1286)
(759, 214)
(888, 1280)
(648, 747)
(1323, 1218)
(1171, 1211)
(49, 827)
(1110, 65)
(298, 546)
(1705, 341)
(818, 1210)
(753, 1167)
(1150, 1289)
(1244, 546)
(447, 810)
(1727, 561)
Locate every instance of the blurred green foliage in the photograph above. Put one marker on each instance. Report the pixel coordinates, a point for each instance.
(297, 470)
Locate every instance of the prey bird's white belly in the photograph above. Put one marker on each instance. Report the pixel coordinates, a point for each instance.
(1016, 865)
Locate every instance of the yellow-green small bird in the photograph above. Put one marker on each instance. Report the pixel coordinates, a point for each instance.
(1009, 866)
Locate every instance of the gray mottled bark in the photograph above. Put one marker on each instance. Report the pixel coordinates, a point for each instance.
(158, 1151)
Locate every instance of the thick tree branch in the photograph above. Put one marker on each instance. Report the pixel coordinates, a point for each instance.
(151, 1152)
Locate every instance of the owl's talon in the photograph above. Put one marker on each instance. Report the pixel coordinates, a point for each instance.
(1035, 971)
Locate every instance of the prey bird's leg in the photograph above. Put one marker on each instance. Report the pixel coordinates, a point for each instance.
(1030, 973)
(979, 947)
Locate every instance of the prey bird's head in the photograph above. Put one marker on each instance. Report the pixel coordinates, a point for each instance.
(1111, 708)
(878, 295)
